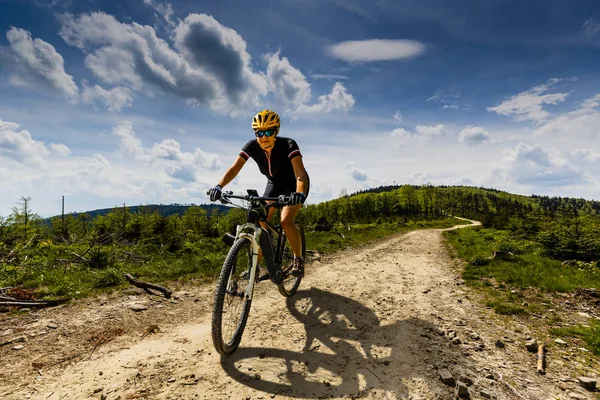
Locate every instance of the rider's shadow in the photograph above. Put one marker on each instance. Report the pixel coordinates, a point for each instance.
(348, 351)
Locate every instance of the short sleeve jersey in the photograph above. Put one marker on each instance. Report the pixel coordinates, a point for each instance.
(278, 166)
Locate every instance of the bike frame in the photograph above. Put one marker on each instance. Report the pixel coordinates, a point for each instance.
(259, 238)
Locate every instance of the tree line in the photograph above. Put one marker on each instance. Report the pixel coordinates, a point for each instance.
(564, 227)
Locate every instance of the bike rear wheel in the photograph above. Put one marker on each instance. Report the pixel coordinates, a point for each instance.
(290, 283)
(231, 307)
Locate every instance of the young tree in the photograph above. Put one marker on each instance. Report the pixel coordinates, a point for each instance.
(23, 217)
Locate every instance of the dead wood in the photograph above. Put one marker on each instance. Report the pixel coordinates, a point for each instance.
(26, 303)
(541, 359)
(147, 286)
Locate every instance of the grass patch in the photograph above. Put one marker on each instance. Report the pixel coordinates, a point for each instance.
(590, 335)
(527, 268)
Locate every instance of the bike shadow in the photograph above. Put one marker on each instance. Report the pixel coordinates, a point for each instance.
(348, 351)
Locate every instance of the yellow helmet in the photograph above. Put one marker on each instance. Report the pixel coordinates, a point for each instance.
(266, 119)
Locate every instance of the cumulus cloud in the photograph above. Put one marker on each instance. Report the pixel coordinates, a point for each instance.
(420, 135)
(130, 172)
(286, 81)
(289, 84)
(376, 50)
(59, 149)
(585, 157)
(581, 122)
(167, 154)
(338, 99)
(398, 116)
(35, 63)
(537, 166)
(430, 131)
(112, 99)
(19, 146)
(474, 135)
(355, 173)
(209, 65)
(528, 105)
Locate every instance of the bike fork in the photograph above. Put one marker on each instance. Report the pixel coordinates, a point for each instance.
(254, 269)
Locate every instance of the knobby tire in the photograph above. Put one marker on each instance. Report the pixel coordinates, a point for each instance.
(230, 272)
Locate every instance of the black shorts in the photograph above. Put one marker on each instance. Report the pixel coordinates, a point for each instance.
(275, 189)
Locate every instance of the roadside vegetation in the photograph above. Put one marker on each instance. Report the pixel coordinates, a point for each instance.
(79, 255)
(522, 262)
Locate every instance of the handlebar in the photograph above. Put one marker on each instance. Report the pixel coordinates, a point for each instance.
(280, 201)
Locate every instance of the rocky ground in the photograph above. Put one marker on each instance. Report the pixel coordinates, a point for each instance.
(391, 320)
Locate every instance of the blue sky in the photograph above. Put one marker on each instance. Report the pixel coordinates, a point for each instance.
(147, 101)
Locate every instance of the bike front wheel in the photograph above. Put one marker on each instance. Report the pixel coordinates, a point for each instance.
(231, 305)
(290, 283)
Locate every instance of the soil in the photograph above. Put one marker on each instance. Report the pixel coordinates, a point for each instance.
(390, 320)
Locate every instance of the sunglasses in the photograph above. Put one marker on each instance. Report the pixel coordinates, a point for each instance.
(267, 133)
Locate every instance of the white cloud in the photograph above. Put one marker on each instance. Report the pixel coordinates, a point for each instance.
(20, 146)
(36, 64)
(474, 135)
(528, 105)
(430, 131)
(290, 85)
(581, 122)
(167, 155)
(338, 99)
(59, 149)
(165, 10)
(210, 65)
(287, 82)
(400, 137)
(398, 116)
(376, 50)
(355, 173)
(422, 134)
(591, 27)
(329, 76)
(585, 157)
(112, 99)
(136, 174)
(537, 167)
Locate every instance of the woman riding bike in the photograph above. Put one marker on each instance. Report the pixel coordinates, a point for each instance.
(280, 160)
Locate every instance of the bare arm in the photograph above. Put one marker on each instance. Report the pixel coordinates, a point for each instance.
(301, 176)
(232, 171)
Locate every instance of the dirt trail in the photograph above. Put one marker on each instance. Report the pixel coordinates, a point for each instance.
(372, 323)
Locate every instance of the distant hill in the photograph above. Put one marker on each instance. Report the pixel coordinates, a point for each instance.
(163, 209)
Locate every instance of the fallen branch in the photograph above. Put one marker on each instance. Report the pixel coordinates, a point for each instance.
(147, 286)
(28, 303)
(541, 359)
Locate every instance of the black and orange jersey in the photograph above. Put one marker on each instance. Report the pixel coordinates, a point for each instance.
(277, 167)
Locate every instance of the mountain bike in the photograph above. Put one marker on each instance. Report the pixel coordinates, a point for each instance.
(240, 271)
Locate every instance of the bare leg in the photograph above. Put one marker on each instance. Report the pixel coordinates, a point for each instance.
(288, 218)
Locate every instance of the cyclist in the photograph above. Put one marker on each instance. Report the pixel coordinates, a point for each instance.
(280, 160)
